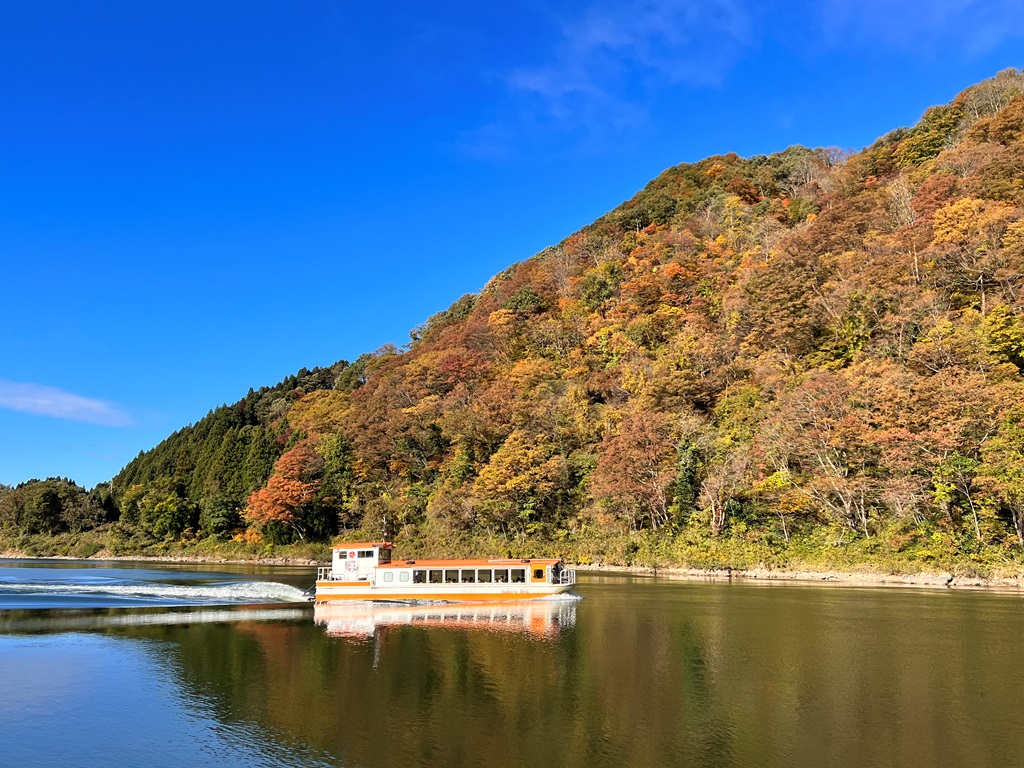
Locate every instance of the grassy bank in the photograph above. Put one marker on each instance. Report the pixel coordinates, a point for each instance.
(105, 543)
(823, 550)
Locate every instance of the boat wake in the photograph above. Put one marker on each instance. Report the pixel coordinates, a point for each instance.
(222, 593)
(564, 597)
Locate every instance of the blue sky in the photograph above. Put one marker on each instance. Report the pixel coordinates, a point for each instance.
(198, 197)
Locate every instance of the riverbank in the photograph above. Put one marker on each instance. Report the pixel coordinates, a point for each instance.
(863, 578)
(103, 556)
(934, 560)
(839, 578)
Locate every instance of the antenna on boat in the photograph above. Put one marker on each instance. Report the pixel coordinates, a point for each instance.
(384, 527)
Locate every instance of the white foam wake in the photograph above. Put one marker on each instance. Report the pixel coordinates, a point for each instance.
(234, 592)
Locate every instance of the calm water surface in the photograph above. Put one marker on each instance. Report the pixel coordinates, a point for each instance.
(188, 665)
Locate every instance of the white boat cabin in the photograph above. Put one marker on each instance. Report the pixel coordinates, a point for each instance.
(356, 562)
(370, 565)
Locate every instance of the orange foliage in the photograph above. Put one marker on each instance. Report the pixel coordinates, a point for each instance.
(289, 488)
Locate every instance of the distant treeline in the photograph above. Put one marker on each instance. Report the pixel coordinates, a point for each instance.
(55, 505)
(807, 349)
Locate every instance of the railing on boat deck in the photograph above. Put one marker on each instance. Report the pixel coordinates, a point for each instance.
(567, 576)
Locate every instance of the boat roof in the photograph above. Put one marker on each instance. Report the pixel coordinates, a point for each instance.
(470, 563)
(463, 563)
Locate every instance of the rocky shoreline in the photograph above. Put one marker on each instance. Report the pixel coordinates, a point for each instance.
(844, 578)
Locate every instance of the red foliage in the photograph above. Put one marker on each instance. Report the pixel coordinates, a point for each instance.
(636, 468)
(289, 488)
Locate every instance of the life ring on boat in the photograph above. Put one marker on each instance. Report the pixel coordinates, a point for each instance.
(352, 554)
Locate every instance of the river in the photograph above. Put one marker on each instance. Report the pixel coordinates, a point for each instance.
(171, 665)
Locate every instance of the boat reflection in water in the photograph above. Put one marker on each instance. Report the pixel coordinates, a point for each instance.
(542, 618)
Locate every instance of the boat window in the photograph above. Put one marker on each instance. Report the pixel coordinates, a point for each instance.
(451, 577)
(435, 576)
(389, 577)
(385, 555)
(365, 553)
(403, 576)
(468, 577)
(518, 575)
(419, 577)
(501, 575)
(484, 575)
(538, 574)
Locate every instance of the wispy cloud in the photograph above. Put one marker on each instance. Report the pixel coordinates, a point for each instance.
(611, 43)
(59, 404)
(974, 26)
(604, 69)
(608, 61)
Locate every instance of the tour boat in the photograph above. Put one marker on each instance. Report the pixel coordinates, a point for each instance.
(367, 571)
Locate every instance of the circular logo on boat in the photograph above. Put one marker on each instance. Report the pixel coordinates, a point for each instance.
(351, 566)
(352, 554)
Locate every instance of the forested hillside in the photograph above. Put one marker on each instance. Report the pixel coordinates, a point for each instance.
(807, 356)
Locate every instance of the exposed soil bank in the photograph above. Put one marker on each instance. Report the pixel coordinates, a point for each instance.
(847, 578)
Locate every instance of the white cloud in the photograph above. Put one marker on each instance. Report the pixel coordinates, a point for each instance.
(604, 67)
(608, 62)
(975, 26)
(56, 403)
(610, 47)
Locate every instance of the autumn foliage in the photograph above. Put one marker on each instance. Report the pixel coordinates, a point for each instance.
(761, 348)
(290, 488)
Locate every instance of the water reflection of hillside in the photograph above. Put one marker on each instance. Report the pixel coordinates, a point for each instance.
(642, 673)
(537, 618)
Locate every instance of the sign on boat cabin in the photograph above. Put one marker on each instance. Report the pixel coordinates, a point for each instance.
(368, 571)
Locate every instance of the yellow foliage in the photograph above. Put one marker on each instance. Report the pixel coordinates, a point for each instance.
(665, 314)
(775, 482)
(577, 371)
(634, 380)
(611, 341)
(792, 502)
(520, 473)
(969, 221)
(321, 412)
(736, 212)
(501, 319)
(732, 320)
(428, 406)
(1013, 238)
(248, 536)
(716, 170)
(526, 374)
